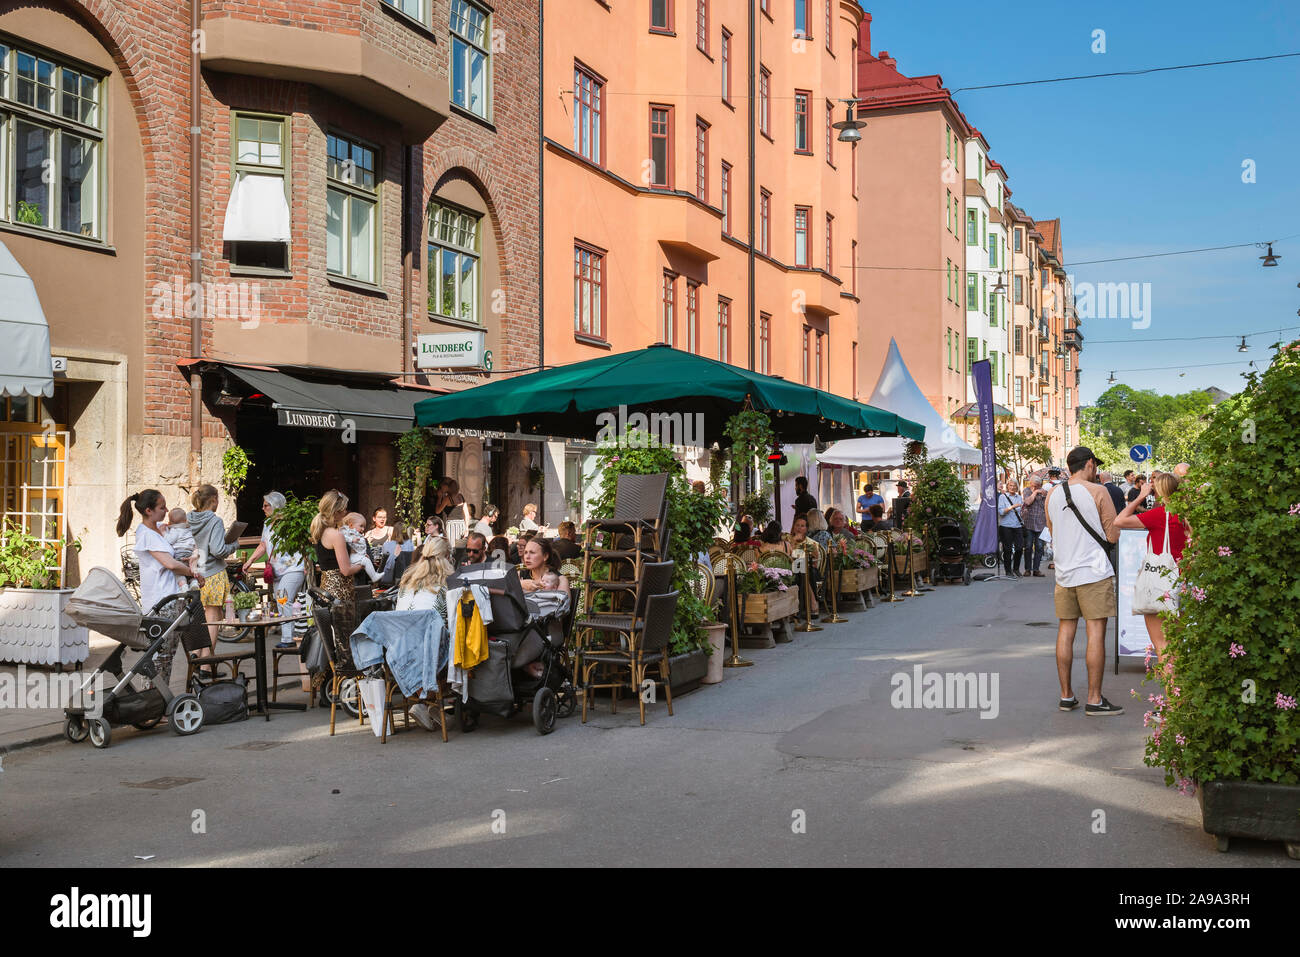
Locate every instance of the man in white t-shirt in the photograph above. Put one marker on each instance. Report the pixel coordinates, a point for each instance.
(1085, 586)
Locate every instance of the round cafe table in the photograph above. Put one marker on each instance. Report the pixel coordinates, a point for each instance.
(260, 627)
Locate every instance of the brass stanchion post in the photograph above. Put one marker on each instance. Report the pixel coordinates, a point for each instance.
(733, 603)
(911, 572)
(889, 559)
(833, 585)
(807, 596)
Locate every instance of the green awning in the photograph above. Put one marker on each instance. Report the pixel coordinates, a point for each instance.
(568, 401)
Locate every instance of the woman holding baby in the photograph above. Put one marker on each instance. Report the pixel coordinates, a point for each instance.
(336, 570)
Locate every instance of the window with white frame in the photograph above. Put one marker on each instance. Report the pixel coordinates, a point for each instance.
(352, 209)
(415, 9)
(454, 250)
(471, 73)
(587, 91)
(51, 143)
(258, 240)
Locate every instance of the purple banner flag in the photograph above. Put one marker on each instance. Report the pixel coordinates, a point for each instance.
(984, 540)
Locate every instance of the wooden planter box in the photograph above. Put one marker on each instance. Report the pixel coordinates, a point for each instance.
(919, 562)
(771, 606)
(34, 630)
(1251, 809)
(852, 581)
(685, 671)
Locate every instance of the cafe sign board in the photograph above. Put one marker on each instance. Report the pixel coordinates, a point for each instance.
(449, 350)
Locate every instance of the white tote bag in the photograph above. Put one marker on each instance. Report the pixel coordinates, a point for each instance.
(375, 702)
(1158, 577)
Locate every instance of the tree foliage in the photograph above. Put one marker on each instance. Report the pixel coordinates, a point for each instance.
(1228, 711)
(1129, 416)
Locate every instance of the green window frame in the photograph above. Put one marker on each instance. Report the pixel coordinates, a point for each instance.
(471, 58)
(972, 228)
(984, 292)
(972, 293)
(353, 213)
(454, 251)
(52, 142)
(947, 341)
(972, 353)
(993, 310)
(947, 212)
(993, 251)
(993, 367)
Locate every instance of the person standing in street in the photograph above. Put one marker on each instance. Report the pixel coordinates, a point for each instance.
(1081, 517)
(802, 500)
(868, 498)
(1112, 488)
(1034, 515)
(1127, 486)
(1011, 527)
(902, 502)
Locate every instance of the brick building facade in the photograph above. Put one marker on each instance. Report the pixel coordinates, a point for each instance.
(367, 111)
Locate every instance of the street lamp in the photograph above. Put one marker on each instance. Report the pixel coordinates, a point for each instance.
(1242, 347)
(848, 126)
(1001, 288)
(1111, 379)
(1269, 258)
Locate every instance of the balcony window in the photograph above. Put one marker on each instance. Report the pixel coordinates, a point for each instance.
(51, 134)
(454, 251)
(471, 73)
(351, 209)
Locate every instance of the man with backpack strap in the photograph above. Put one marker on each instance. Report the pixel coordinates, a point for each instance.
(1081, 518)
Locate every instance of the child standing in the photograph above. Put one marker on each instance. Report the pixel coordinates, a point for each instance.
(353, 529)
(181, 539)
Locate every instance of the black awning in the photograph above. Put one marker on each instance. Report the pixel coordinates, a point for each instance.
(304, 403)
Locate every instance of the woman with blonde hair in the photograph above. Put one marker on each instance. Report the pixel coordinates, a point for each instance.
(210, 544)
(817, 528)
(424, 588)
(336, 571)
(1157, 523)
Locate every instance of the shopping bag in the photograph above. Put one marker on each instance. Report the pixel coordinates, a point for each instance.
(375, 701)
(1156, 587)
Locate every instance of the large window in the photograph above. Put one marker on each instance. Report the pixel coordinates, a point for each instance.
(801, 236)
(588, 290)
(51, 132)
(587, 130)
(415, 9)
(454, 262)
(701, 160)
(471, 73)
(661, 147)
(261, 160)
(801, 121)
(764, 222)
(351, 209)
(764, 343)
(668, 314)
(726, 198)
(764, 101)
(724, 329)
(726, 66)
(692, 316)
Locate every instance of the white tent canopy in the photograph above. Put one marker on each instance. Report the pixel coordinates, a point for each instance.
(26, 368)
(897, 392)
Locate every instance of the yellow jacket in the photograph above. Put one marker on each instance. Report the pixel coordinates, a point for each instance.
(471, 646)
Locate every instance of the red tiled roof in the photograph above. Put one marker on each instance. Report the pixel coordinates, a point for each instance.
(1051, 230)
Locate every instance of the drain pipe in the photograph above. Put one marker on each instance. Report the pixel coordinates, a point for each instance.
(196, 239)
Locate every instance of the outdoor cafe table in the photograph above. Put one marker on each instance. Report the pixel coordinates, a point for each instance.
(260, 626)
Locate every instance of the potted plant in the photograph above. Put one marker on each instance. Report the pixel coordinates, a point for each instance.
(291, 529)
(245, 601)
(715, 632)
(856, 565)
(235, 463)
(938, 492)
(1223, 715)
(33, 628)
(766, 594)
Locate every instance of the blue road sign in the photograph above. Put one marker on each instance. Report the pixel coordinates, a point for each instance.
(1140, 453)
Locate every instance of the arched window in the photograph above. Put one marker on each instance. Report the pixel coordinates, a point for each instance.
(454, 251)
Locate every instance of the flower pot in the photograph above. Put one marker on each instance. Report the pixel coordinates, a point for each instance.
(1260, 810)
(770, 606)
(34, 630)
(242, 613)
(687, 670)
(717, 633)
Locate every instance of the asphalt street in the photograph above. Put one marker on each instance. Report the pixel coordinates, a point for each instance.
(799, 760)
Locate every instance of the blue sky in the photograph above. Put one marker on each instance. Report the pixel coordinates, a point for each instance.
(1137, 165)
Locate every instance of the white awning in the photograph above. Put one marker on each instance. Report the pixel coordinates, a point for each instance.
(258, 211)
(25, 367)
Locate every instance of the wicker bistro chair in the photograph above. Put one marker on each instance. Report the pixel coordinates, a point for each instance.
(325, 633)
(699, 579)
(649, 646)
(601, 635)
(775, 560)
(639, 526)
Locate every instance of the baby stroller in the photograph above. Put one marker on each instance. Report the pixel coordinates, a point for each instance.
(953, 549)
(102, 603)
(518, 635)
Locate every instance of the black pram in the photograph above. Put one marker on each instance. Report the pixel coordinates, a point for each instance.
(518, 635)
(952, 546)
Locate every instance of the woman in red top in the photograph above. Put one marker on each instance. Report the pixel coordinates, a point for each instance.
(1154, 521)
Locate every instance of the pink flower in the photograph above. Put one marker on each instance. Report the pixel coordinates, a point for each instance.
(1236, 651)
(1224, 551)
(1133, 692)
(1285, 702)
(1295, 509)
(1177, 692)
(1180, 739)
(1186, 786)
(1166, 596)
(1198, 593)
(1146, 719)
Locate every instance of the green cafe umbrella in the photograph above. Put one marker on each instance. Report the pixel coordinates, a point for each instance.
(567, 401)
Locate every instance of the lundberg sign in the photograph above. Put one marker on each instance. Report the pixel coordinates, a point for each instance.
(449, 350)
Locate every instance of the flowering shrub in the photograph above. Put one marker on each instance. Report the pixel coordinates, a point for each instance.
(757, 579)
(1233, 654)
(937, 492)
(852, 554)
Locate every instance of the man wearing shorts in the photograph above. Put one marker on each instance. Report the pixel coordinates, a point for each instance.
(1085, 578)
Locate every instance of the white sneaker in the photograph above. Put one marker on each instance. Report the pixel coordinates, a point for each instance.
(420, 712)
